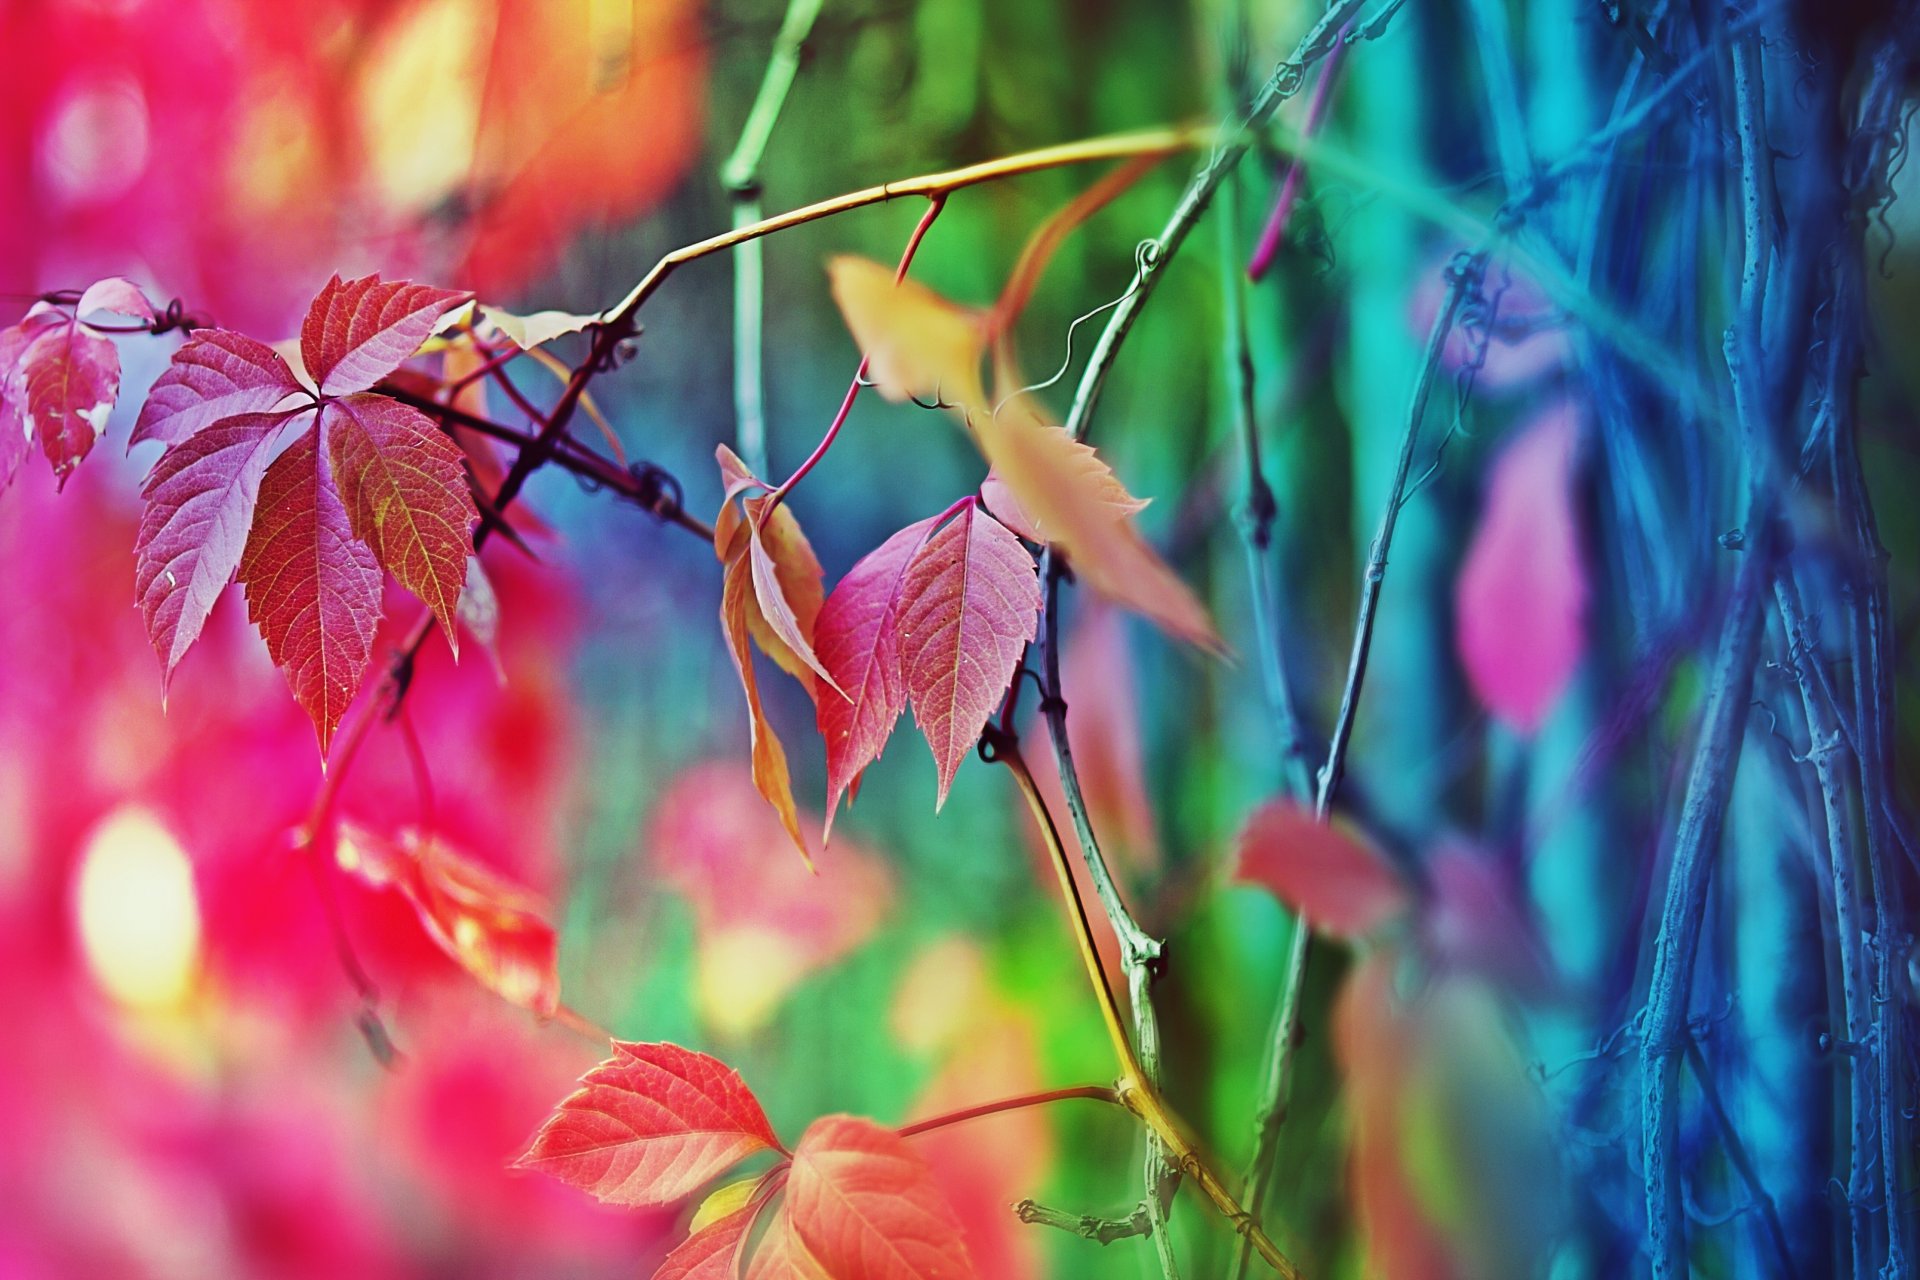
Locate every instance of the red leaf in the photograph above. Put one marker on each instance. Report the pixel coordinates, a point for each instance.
(118, 295)
(782, 1255)
(405, 490)
(217, 375)
(71, 377)
(313, 589)
(970, 604)
(858, 640)
(492, 928)
(1332, 878)
(649, 1125)
(1520, 605)
(359, 331)
(865, 1204)
(199, 506)
(1063, 490)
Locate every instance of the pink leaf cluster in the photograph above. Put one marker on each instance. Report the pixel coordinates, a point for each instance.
(365, 484)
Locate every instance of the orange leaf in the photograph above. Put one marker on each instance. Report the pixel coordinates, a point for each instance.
(493, 928)
(738, 615)
(865, 1204)
(787, 588)
(1064, 491)
(916, 342)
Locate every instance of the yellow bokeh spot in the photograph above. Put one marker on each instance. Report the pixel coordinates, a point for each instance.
(137, 913)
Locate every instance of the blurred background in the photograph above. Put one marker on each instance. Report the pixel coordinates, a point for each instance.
(185, 1088)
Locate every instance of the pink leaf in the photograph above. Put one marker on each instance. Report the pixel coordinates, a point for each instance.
(1520, 605)
(118, 295)
(404, 486)
(649, 1125)
(865, 1204)
(1333, 879)
(199, 506)
(71, 378)
(970, 603)
(16, 431)
(217, 375)
(359, 331)
(857, 639)
(312, 588)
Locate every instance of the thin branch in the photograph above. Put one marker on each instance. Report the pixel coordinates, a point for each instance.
(1742, 1162)
(740, 175)
(1092, 1092)
(1710, 781)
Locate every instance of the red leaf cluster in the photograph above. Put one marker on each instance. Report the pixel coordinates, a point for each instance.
(366, 484)
(59, 378)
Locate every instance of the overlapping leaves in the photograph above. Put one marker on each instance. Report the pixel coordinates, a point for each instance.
(656, 1122)
(361, 483)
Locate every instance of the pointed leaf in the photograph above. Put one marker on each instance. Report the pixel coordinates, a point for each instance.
(405, 490)
(491, 927)
(738, 613)
(735, 480)
(1091, 471)
(217, 375)
(199, 508)
(359, 331)
(16, 430)
(118, 295)
(786, 587)
(313, 589)
(971, 602)
(1057, 492)
(1520, 606)
(857, 637)
(1333, 878)
(783, 1255)
(538, 329)
(650, 1125)
(712, 1252)
(916, 342)
(479, 613)
(71, 378)
(865, 1204)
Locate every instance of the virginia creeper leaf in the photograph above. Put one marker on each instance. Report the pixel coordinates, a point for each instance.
(916, 342)
(650, 1125)
(491, 927)
(405, 490)
(1095, 475)
(538, 329)
(71, 377)
(116, 294)
(218, 374)
(1334, 879)
(199, 507)
(738, 610)
(712, 1252)
(786, 587)
(359, 331)
(783, 1255)
(312, 588)
(16, 430)
(864, 1203)
(1520, 604)
(858, 640)
(971, 602)
(1058, 493)
(479, 613)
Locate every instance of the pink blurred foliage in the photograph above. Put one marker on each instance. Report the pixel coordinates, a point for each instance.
(245, 1129)
(1520, 603)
